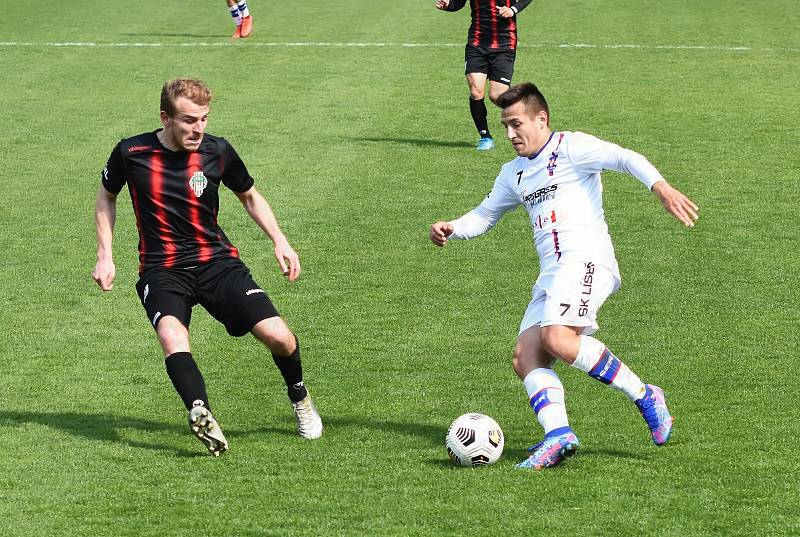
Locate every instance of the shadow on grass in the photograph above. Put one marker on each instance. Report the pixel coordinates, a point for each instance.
(415, 141)
(433, 434)
(100, 427)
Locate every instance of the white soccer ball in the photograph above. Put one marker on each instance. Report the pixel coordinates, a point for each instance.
(474, 440)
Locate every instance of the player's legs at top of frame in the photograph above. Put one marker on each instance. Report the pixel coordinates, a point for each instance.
(241, 17)
(481, 67)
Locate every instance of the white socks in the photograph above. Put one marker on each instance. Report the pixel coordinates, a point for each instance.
(237, 17)
(546, 395)
(243, 11)
(596, 360)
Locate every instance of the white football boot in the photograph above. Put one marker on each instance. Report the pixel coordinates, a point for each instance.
(205, 427)
(309, 424)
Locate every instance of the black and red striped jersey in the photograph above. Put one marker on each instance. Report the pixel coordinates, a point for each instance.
(488, 29)
(175, 197)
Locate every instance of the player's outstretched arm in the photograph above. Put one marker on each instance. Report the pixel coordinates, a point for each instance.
(260, 211)
(439, 233)
(450, 5)
(105, 215)
(676, 203)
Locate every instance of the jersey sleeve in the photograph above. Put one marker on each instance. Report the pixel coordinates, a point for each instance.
(234, 173)
(592, 154)
(519, 5)
(455, 5)
(482, 218)
(113, 174)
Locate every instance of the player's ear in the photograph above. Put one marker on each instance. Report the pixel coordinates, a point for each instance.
(543, 117)
(165, 118)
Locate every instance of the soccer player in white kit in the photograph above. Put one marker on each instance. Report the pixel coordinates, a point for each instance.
(556, 177)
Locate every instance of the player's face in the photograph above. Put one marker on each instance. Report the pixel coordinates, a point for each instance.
(184, 129)
(526, 132)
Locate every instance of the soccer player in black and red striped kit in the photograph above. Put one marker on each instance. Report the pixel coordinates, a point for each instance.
(490, 53)
(174, 176)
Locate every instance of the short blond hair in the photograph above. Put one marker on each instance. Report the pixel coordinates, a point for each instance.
(191, 88)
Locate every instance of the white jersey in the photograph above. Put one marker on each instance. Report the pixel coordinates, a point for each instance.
(560, 188)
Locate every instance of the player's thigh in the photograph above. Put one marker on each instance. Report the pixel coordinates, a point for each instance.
(167, 295)
(229, 293)
(501, 69)
(574, 294)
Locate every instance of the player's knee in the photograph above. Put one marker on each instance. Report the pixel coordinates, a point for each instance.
(476, 93)
(275, 334)
(173, 336)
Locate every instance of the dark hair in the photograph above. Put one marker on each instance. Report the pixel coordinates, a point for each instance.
(528, 93)
(191, 88)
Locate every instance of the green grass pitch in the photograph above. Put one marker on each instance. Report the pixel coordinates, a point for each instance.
(360, 142)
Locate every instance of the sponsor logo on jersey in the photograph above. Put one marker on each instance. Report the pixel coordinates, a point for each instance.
(253, 291)
(139, 148)
(198, 182)
(586, 289)
(556, 247)
(542, 221)
(543, 194)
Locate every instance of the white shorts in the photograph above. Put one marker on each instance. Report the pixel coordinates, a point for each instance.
(570, 295)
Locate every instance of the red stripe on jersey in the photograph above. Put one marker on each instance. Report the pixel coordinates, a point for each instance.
(195, 165)
(476, 39)
(512, 29)
(137, 212)
(494, 15)
(157, 184)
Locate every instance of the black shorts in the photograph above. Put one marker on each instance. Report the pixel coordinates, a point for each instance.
(223, 287)
(498, 65)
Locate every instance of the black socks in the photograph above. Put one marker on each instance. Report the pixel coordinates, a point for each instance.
(186, 378)
(292, 371)
(478, 110)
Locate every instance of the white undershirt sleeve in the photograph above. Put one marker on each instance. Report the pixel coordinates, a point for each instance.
(589, 153)
(483, 217)
(632, 163)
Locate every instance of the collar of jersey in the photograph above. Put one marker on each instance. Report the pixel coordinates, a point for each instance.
(542, 149)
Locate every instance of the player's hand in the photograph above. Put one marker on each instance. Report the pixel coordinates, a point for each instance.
(676, 204)
(440, 231)
(287, 259)
(505, 12)
(104, 273)
(442, 4)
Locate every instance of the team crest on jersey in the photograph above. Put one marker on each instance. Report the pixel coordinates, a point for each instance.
(553, 162)
(198, 182)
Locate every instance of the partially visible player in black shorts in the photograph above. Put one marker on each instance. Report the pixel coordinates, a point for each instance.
(174, 175)
(490, 53)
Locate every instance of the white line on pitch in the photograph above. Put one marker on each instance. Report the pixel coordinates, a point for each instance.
(322, 44)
